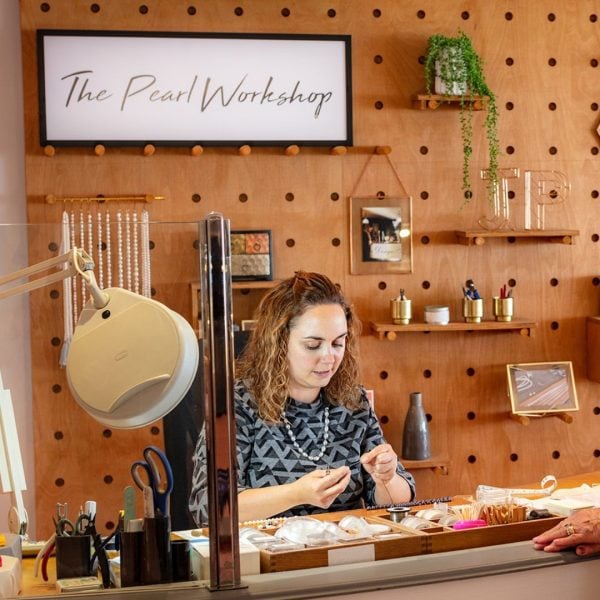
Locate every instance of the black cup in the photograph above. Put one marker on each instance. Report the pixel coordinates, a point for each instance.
(73, 556)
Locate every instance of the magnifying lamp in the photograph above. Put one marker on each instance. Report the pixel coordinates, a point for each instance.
(131, 359)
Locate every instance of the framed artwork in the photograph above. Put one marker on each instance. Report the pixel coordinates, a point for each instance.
(131, 88)
(380, 235)
(251, 255)
(545, 387)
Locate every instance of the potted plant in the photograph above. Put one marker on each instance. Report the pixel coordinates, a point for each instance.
(455, 69)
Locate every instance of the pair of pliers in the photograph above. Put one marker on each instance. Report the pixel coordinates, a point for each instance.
(43, 556)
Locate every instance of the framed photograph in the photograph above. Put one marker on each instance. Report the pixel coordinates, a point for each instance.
(380, 235)
(545, 387)
(251, 255)
(131, 88)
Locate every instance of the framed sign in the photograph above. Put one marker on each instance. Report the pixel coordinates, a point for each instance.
(381, 235)
(542, 387)
(133, 88)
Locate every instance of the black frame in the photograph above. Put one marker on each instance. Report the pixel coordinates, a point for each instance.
(86, 142)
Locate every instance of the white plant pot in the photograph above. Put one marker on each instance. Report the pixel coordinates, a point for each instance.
(458, 88)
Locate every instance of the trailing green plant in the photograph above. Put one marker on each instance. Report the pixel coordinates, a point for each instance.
(454, 60)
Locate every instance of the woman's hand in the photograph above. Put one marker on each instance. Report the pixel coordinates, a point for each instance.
(320, 488)
(582, 530)
(380, 463)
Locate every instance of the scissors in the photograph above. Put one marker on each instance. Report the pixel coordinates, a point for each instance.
(147, 474)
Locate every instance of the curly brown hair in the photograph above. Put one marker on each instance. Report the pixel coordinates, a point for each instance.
(263, 364)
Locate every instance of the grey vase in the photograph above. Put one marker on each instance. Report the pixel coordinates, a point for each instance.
(415, 440)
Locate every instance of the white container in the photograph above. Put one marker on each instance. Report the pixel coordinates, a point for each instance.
(437, 315)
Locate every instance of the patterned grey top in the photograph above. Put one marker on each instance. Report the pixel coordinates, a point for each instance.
(266, 455)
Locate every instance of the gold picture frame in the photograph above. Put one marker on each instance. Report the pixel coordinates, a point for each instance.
(540, 388)
(380, 235)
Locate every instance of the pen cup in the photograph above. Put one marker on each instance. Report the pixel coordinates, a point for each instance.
(73, 556)
(401, 311)
(157, 566)
(132, 544)
(503, 308)
(180, 551)
(473, 310)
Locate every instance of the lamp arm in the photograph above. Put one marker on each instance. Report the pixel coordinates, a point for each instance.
(77, 261)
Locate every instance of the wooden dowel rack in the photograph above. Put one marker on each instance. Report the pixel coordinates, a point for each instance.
(147, 198)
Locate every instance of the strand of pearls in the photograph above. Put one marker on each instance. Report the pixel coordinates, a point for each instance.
(100, 255)
(128, 248)
(108, 252)
(82, 246)
(136, 262)
(315, 457)
(74, 278)
(120, 248)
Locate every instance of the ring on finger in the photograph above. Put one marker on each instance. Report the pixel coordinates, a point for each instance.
(570, 530)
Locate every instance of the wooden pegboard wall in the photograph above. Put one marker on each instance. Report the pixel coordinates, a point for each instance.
(545, 124)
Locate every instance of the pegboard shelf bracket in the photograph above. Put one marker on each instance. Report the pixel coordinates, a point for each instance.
(438, 464)
(526, 419)
(389, 331)
(477, 237)
(434, 101)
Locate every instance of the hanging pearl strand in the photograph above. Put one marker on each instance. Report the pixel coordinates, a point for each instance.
(100, 254)
(120, 248)
(128, 248)
(74, 278)
(315, 457)
(136, 262)
(108, 252)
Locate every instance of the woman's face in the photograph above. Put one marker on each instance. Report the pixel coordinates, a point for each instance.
(315, 350)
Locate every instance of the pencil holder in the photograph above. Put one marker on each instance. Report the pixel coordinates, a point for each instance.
(473, 310)
(503, 308)
(401, 311)
(73, 556)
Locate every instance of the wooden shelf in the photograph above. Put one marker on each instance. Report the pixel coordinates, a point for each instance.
(433, 101)
(389, 331)
(526, 419)
(477, 237)
(437, 464)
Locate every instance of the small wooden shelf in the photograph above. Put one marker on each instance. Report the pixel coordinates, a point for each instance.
(437, 464)
(433, 101)
(526, 419)
(477, 237)
(389, 331)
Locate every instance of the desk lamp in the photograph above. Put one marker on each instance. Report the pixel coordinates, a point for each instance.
(132, 359)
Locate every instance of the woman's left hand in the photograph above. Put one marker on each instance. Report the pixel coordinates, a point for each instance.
(380, 463)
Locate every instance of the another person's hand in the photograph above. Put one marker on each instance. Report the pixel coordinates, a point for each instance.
(582, 530)
(320, 488)
(380, 463)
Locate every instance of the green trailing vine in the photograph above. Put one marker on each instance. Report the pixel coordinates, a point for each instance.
(459, 63)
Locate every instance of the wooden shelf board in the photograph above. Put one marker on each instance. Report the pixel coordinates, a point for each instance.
(437, 464)
(477, 237)
(389, 331)
(434, 101)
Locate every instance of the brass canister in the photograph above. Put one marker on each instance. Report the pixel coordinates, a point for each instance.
(503, 308)
(401, 311)
(473, 310)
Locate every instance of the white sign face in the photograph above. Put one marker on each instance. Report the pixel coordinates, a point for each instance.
(132, 88)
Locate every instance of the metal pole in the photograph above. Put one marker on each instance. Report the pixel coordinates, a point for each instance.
(217, 315)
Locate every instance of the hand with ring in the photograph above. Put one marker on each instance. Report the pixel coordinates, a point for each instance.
(581, 530)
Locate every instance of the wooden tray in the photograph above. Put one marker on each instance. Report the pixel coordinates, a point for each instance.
(413, 542)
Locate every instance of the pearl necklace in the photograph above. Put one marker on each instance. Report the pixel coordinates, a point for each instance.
(316, 457)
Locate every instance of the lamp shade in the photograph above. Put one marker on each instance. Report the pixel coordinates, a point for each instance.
(132, 361)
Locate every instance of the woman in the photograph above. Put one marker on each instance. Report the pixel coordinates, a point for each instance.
(307, 438)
